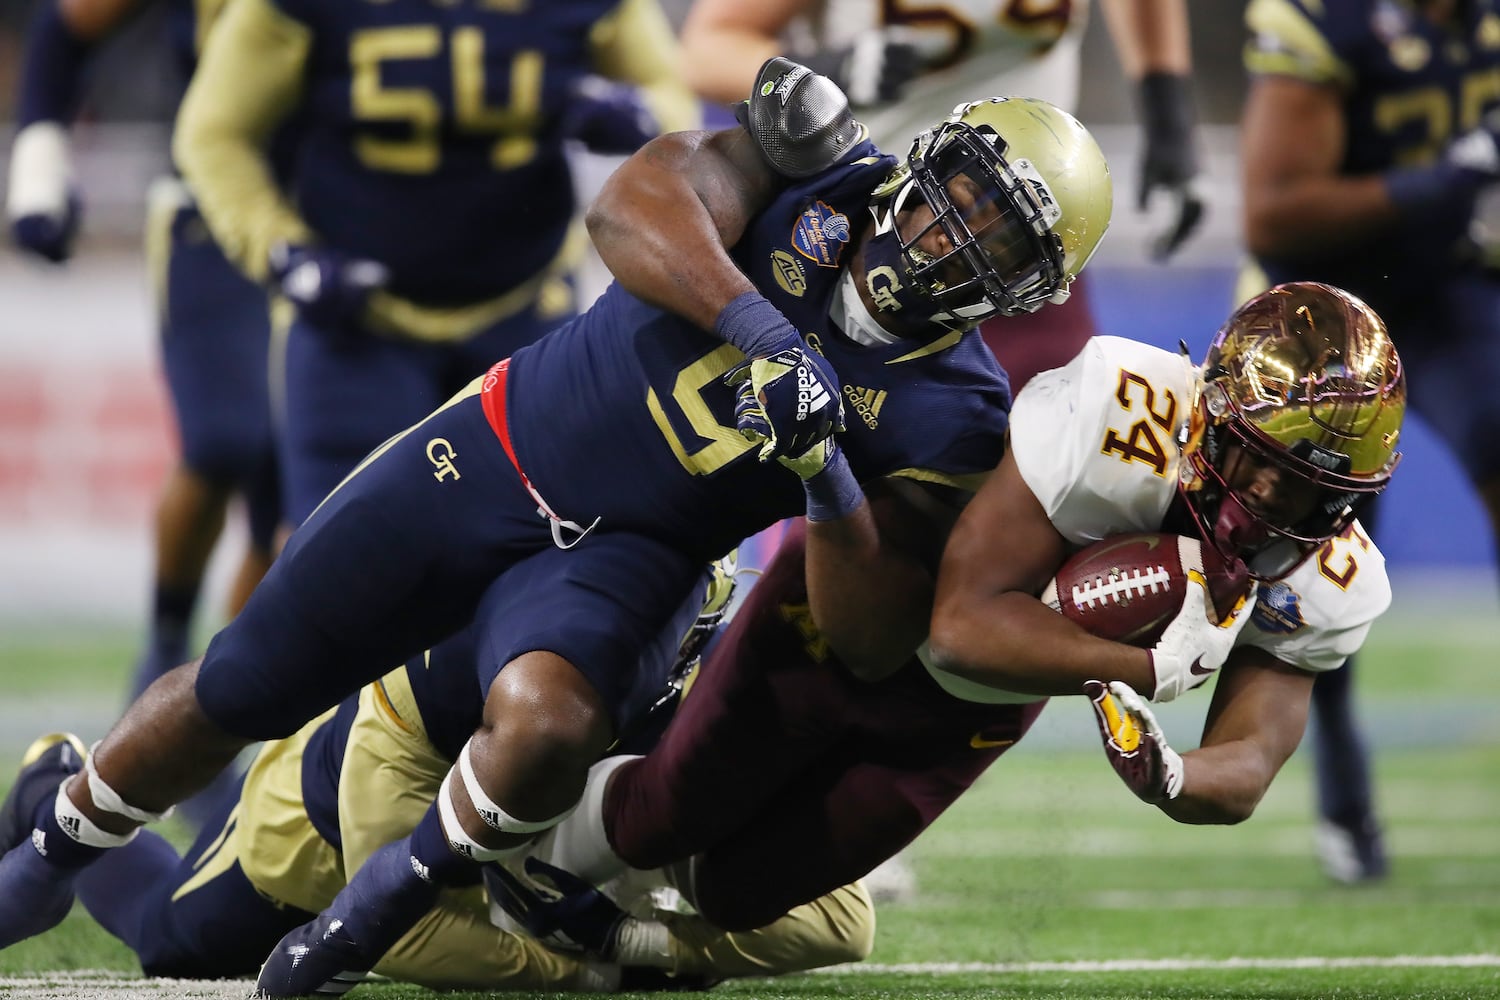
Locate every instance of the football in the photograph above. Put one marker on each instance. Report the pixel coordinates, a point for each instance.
(1129, 587)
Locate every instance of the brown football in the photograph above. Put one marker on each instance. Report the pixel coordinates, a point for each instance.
(1129, 587)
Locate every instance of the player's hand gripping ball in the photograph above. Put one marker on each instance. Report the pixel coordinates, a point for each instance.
(1129, 588)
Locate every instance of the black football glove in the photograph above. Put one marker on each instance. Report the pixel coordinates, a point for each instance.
(875, 70)
(607, 116)
(1170, 161)
(329, 288)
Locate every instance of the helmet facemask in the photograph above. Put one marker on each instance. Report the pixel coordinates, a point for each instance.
(995, 217)
(1271, 546)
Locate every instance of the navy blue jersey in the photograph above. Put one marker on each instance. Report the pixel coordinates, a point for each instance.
(449, 111)
(623, 413)
(1408, 86)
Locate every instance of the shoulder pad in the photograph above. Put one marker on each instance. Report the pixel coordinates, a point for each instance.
(800, 120)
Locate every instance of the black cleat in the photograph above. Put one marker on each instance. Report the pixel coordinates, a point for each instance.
(47, 763)
(317, 959)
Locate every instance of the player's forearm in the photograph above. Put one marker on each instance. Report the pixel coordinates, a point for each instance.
(1150, 36)
(1313, 215)
(1014, 642)
(248, 82)
(656, 231)
(1221, 784)
(719, 61)
(870, 601)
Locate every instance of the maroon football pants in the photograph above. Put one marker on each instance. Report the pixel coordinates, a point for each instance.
(787, 776)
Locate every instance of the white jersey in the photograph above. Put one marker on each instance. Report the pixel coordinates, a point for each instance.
(1096, 441)
(971, 49)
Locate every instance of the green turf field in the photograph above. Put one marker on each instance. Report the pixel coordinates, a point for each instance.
(1050, 880)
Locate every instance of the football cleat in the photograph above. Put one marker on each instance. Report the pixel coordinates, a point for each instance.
(317, 959)
(47, 763)
(330, 954)
(892, 881)
(1352, 853)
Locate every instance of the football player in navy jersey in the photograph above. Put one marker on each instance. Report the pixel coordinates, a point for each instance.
(314, 806)
(428, 224)
(1370, 136)
(763, 274)
(214, 325)
(847, 706)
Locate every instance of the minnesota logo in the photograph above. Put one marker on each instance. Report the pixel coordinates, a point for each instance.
(867, 403)
(787, 270)
(821, 234)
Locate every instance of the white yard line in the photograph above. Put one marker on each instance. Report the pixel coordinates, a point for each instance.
(1179, 965)
(102, 985)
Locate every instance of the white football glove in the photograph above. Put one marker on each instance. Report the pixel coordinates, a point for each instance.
(1194, 646)
(42, 205)
(1134, 742)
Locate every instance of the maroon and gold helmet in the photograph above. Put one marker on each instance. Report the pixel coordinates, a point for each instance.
(1303, 377)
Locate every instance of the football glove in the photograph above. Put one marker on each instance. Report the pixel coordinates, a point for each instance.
(42, 204)
(558, 908)
(788, 402)
(329, 288)
(1170, 160)
(875, 70)
(1194, 645)
(1134, 743)
(608, 116)
(1443, 193)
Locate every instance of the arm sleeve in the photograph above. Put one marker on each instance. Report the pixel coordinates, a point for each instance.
(635, 44)
(248, 81)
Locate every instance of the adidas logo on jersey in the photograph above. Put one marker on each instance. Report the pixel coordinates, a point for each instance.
(867, 403)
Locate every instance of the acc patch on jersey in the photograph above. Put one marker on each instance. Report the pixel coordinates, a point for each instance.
(821, 234)
(1278, 610)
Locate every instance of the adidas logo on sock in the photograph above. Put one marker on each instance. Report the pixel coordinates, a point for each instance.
(39, 841)
(420, 870)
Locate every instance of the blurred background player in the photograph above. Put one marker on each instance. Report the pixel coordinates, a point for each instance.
(313, 807)
(1369, 136)
(213, 324)
(427, 226)
(903, 68)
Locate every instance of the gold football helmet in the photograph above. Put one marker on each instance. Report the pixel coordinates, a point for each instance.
(1022, 195)
(1303, 377)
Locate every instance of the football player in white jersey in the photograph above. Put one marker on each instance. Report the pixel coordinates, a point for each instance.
(1267, 451)
(902, 64)
(824, 735)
